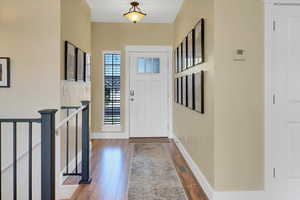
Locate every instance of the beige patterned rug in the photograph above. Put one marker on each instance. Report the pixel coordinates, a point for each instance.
(153, 175)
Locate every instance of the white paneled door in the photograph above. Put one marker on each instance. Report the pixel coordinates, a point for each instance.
(286, 103)
(149, 94)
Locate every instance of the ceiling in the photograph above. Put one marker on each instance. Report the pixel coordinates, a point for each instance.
(158, 11)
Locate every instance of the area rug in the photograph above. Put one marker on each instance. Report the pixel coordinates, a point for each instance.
(153, 175)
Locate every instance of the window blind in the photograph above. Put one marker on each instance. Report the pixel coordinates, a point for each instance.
(112, 83)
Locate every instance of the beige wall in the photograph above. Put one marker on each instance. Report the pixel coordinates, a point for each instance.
(29, 35)
(239, 88)
(193, 129)
(226, 142)
(75, 28)
(115, 36)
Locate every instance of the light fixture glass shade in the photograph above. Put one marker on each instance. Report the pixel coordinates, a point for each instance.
(134, 16)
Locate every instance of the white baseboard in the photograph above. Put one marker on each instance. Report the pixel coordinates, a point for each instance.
(109, 135)
(240, 195)
(66, 191)
(195, 169)
(208, 189)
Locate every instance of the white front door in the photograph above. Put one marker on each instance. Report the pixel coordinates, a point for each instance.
(149, 94)
(286, 103)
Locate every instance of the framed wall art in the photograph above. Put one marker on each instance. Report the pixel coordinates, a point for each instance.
(175, 61)
(87, 67)
(184, 56)
(190, 49)
(80, 64)
(179, 91)
(4, 72)
(176, 90)
(70, 61)
(191, 91)
(199, 43)
(184, 91)
(179, 58)
(199, 91)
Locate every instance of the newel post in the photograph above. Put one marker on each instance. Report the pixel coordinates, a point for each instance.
(48, 154)
(85, 178)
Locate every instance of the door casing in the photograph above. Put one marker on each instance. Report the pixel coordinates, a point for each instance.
(270, 24)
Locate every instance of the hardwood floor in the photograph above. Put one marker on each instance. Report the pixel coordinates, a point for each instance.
(110, 164)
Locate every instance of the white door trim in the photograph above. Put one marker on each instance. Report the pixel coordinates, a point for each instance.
(139, 49)
(269, 6)
(268, 93)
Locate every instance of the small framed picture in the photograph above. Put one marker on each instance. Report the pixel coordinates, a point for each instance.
(176, 60)
(70, 61)
(87, 68)
(179, 90)
(180, 58)
(184, 97)
(199, 92)
(191, 91)
(199, 42)
(184, 56)
(79, 65)
(190, 49)
(176, 90)
(4, 72)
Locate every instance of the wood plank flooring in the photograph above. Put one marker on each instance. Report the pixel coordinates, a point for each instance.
(110, 164)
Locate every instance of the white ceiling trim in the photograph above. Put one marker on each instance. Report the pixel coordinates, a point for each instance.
(158, 11)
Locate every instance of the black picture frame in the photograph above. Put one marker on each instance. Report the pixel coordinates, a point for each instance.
(80, 65)
(184, 54)
(180, 58)
(184, 91)
(199, 43)
(70, 61)
(179, 91)
(87, 67)
(176, 90)
(191, 49)
(199, 91)
(175, 61)
(4, 72)
(191, 91)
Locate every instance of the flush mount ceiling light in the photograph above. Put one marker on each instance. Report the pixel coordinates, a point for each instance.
(134, 14)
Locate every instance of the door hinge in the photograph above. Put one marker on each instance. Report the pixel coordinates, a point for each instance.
(274, 25)
(274, 99)
(274, 173)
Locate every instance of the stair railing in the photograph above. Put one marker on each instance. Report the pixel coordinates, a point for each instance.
(48, 130)
(85, 176)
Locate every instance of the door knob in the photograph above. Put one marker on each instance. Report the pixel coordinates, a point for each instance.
(131, 99)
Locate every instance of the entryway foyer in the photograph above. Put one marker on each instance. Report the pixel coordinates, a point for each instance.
(149, 99)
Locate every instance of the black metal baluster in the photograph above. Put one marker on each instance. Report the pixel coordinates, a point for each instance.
(76, 145)
(15, 160)
(85, 164)
(67, 152)
(0, 161)
(30, 162)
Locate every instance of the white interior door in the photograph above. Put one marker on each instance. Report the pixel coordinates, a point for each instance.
(286, 106)
(149, 94)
